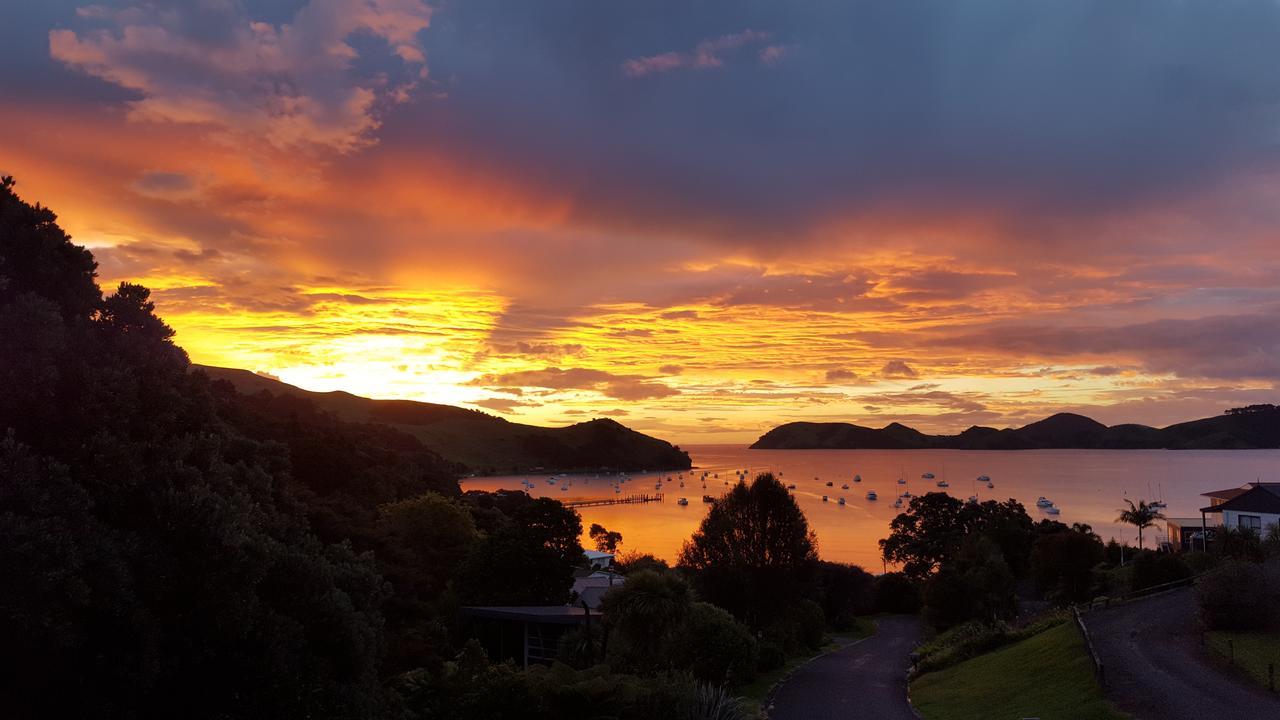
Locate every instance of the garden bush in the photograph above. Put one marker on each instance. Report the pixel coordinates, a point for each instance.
(1240, 596)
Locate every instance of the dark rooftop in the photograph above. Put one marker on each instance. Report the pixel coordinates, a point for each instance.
(557, 614)
(1262, 498)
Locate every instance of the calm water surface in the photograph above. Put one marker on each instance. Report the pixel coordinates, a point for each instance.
(1088, 485)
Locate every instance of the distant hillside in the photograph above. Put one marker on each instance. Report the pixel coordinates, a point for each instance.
(1247, 428)
(483, 443)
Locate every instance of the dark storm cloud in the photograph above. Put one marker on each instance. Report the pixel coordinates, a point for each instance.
(1029, 107)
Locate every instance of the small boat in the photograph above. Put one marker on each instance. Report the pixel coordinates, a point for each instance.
(990, 485)
(840, 501)
(984, 478)
(708, 499)
(682, 501)
(844, 486)
(973, 500)
(902, 481)
(824, 498)
(1052, 510)
(830, 484)
(857, 478)
(897, 503)
(1043, 502)
(906, 495)
(927, 476)
(1157, 504)
(791, 486)
(871, 495)
(943, 483)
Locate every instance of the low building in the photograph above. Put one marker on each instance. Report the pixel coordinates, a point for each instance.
(530, 634)
(1187, 534)
(527, 634)
(598, 560)
(589, 586)
(1253, 507)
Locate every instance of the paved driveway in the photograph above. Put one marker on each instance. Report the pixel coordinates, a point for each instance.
(1155, 667)
(867, 679)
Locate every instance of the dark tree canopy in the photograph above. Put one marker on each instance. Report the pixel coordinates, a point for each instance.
(1063, 562)
(754, 551)
(38, 258)
(606, 540)
(155, 563)
(528, 553)
(934, 527)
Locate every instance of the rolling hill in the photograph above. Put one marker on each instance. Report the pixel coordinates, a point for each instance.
(484, 444)
(1237, 430)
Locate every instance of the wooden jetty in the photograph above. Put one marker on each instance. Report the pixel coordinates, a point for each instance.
(628, 500)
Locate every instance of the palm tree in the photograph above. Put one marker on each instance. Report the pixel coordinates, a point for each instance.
(1141, 516)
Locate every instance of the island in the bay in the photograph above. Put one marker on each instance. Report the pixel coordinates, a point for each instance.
(1252, 427)
(474, 441)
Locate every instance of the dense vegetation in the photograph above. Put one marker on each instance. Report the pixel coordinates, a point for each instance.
(977, 562)
(157, 560)
(1256, 426)
(174, 546)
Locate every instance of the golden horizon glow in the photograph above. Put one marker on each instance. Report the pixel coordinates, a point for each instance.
(401, 219)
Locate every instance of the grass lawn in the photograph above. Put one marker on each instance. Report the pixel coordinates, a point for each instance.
(1253, 651)
(755, 693)
(1047, 676)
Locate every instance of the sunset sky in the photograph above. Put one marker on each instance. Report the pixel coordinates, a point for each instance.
(700, 218)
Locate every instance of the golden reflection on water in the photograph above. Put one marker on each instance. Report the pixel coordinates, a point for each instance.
(1088, 485)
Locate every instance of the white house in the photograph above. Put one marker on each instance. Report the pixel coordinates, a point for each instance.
(1255, 506)
(598, 560)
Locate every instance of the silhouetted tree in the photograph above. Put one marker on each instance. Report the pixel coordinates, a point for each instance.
(1063, 563)
(934, 527)
(976, 585)
(754, 551)
(845, 591)
(154, 562)
(527, 555)
(1140, 516)
(605, 540)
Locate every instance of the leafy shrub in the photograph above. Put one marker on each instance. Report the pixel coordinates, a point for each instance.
(1240, 596)
(471, 689)
(974, 638)
(1063, 564)
(800, 628)
(845, 592)
(580, 649)
(896, 593)
(1200, 562)
(959, 643)
(1153, 568)
(771, 656)
(714, 647)
(715, 703)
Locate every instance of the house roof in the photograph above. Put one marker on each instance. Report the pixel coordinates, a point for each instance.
(1184, 522)
(1226, 494)
(555, 614)
(1261, 498)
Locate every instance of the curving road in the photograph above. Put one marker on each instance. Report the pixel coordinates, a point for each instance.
(867, 679)
(1155, 667)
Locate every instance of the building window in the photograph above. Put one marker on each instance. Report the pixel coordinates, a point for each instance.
(1250, 522)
